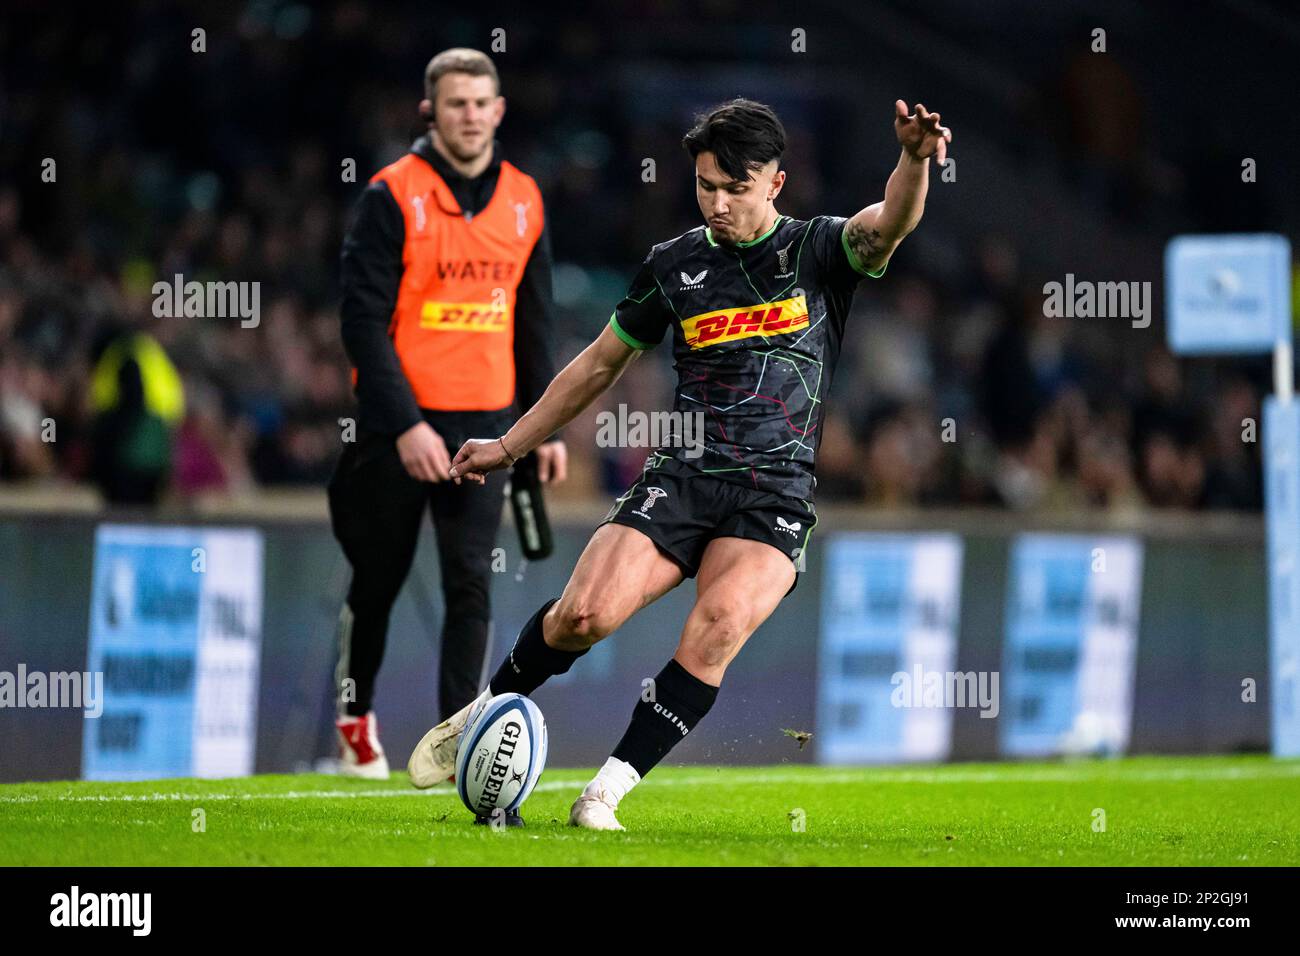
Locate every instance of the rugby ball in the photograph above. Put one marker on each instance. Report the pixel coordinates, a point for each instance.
(501, 755)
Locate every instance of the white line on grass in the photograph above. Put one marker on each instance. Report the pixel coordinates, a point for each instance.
(285, 795)
(1099, 773)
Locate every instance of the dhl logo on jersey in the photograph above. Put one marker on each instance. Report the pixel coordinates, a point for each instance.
(728, 325)
(463, 316)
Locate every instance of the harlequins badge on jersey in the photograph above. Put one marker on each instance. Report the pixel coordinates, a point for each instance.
(783, 262)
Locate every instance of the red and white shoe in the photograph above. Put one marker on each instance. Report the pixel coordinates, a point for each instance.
(360, 753)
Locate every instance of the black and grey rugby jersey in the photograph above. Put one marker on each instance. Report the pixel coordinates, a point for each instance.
(756, 328)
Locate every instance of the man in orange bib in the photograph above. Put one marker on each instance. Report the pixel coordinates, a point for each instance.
(446, 275)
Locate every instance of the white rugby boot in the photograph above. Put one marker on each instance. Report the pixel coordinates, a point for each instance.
(594, 810)
(434, 758)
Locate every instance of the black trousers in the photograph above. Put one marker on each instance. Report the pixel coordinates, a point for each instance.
(376, 509)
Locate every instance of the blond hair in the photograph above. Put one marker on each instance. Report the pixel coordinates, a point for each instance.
(459, 60)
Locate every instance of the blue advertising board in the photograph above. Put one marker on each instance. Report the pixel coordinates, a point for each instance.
(175, 630)
(1070, 645)
(890, 607)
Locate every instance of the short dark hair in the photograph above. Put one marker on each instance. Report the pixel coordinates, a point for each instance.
(743, 135)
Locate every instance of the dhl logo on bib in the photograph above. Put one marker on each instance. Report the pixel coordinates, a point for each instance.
(463, 317)
(728, 325)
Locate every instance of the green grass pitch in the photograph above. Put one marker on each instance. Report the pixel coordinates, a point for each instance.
(1217, 811)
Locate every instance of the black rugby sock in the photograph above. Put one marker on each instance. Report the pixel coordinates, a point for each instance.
(679, 702)
(532, 661)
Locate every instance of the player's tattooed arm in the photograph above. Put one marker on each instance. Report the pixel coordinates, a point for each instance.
(866, 242)
(875, 232)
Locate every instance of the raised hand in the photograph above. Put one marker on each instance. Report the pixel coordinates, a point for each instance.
(920, 133)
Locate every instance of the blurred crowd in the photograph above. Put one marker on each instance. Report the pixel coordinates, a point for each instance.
(976, 398)
(954, 388)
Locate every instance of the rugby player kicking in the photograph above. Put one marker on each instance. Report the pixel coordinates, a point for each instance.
(756, 304)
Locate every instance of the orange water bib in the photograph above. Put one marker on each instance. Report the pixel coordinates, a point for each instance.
(454, 325)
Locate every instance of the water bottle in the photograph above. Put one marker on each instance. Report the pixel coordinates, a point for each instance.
(530, 509)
